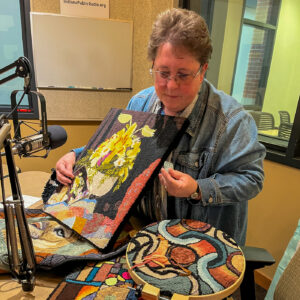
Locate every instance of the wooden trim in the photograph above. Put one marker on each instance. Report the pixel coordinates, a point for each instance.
(262, 280)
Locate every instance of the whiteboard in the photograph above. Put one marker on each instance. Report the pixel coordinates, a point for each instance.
(79, 52)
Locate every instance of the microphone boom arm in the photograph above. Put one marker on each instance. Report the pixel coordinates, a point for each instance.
(23, 69)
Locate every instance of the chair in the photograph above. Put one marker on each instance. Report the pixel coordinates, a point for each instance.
(284, 117)
(284, 131)
(285, 283)
(255, 115)
(263, 120)
(266, 121)
(288, 285)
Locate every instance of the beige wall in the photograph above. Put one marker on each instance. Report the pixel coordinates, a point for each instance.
(142, 13)
(274, 213)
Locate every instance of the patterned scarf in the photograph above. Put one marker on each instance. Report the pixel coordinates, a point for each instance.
(154, 204)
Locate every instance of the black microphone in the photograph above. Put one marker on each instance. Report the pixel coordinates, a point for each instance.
(28, 145)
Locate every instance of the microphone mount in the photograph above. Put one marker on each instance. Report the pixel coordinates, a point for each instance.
(15, 117)
(23, 69)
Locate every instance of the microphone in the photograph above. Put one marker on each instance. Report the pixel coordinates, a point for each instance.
(29, 145)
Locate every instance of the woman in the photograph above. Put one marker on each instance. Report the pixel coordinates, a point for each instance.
(218, 165)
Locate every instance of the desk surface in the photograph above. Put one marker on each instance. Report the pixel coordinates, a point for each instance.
(45, 284)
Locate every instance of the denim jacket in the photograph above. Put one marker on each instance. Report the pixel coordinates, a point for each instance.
(221, 151)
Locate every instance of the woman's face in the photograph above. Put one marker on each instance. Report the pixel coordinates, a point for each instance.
(175, 94)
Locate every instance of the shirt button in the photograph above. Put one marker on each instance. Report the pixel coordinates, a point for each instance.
(196, 164)
(210, 200)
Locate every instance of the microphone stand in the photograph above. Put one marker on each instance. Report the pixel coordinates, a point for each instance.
(15, 219)
(23, 270)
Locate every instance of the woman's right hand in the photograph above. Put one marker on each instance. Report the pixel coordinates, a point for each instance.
(64, 168)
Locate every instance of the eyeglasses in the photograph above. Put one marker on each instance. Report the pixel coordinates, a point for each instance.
(162, 77)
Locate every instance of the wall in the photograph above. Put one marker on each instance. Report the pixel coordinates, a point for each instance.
(217, 39)
(283, 87)
(143, 14)
(230, 45)
(274, 213)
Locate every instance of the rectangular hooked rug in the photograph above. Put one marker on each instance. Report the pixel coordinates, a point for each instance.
(120, 160)
(102, 280)
(55, 244)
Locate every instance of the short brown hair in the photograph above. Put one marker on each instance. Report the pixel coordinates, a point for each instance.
(181, 27)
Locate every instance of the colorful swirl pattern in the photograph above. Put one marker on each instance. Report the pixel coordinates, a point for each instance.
(185, 257)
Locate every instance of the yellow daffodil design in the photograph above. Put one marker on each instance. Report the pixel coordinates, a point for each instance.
(115, 156)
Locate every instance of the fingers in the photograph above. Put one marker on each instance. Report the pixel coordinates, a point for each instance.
(64, 168)
(177, 183)
(175, 174)
(171, 184)
(63, 179)
(165, 175)
(171, 177)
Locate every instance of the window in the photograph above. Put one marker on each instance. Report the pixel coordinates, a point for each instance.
(255, 52)
(15, 43)
(204, 7)
(256, 59)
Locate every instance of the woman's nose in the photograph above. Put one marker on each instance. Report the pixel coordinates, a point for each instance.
(172, 82)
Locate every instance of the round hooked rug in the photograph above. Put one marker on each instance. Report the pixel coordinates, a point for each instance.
(186, 257)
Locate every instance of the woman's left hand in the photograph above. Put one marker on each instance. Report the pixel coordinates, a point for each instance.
(177, 183)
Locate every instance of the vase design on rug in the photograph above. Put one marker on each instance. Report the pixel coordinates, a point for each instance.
(125, 153)
(106, 167)
(111, 162)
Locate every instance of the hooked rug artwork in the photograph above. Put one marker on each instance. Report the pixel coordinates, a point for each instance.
(103, 280)
(55, 244)
(120, 160)
(186, 257)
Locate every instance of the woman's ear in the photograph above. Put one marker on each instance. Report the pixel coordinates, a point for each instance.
(203, 70)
